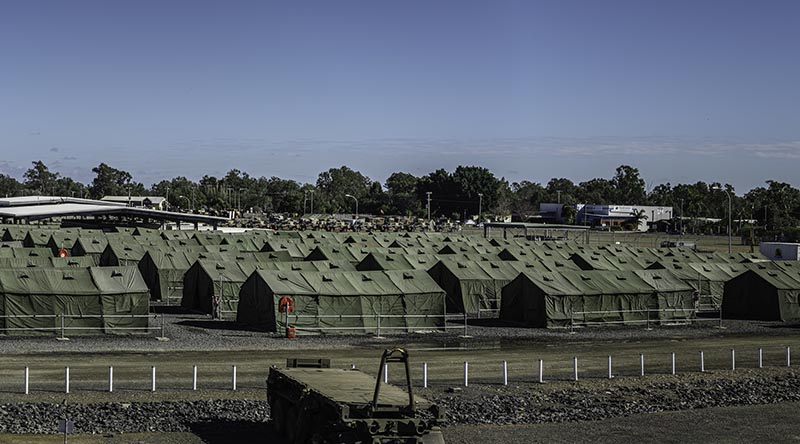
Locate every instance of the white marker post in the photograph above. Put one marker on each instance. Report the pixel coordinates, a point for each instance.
(541, 371)
(733, 359)
(702, 363)
(425, 375)
(641, 364)
(27, 380)
(110, 378)
(385, 373)
(466, 374)
(66, 380)
(788, 356)
(673, 363)
(194, 377)
(153, 378)
(233, 379)
(760, 358)
(575, 367)
(505, 373)
(610, 374)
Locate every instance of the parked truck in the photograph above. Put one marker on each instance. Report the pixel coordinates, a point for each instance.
(313, 403)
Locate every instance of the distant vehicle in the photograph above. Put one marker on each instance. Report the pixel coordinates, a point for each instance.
(672, 244)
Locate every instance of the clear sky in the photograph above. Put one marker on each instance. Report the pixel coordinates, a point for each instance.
(683, 90)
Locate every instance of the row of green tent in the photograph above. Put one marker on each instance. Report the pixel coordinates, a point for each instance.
(343, 302)
(584, 297)
(92, 300)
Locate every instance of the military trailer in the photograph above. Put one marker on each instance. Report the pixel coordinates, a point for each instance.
(313, 403)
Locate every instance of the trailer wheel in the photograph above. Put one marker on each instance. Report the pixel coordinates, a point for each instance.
(277, 414)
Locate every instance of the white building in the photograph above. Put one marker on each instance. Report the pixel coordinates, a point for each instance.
(780, 251)
(620, 215)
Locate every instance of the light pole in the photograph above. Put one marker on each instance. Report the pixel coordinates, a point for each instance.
(429, 205)
(184, 197)
(480, 206)
(354, 198)
(312, 201)
(729, 214)
(305, 199)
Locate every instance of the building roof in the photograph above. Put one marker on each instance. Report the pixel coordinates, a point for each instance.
(46, 207)
(155, 200)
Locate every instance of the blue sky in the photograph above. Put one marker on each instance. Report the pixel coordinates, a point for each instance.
(684, 90)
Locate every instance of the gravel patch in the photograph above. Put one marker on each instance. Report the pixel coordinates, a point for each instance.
(491, 405)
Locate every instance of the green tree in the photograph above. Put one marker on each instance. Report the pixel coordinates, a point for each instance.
(597, 191)
(39, 178)
(629, 186)
(401, 188)
(335, 184)
(661, 195)
(526, 198)
(9, 186)
(110, 181)
(561, 190)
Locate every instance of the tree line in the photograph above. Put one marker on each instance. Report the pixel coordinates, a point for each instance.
(457, 194)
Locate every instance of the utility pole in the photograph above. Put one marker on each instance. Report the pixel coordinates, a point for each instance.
(429, 205)
(730, 217)
(312, 201)
(480, 206)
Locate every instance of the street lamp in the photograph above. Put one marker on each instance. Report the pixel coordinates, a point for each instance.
(729, 214)
(184, 197)
(354, 198)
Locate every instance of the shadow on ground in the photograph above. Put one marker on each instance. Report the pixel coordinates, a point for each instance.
(211, 324)
(225, 432)
(171, 309)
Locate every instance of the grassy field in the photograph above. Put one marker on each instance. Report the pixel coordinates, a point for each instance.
(89, 371)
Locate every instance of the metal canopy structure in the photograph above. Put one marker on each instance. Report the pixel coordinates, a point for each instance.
(34, 208)
(542, 232)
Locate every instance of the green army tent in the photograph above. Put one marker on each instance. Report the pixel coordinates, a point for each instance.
(708, 279)
(469, 288)
(382, 262)
(210, 284)
(623, 297)
(25, 252)
(763, 295)
(90, 300)
(163, 272)
(347, 302)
